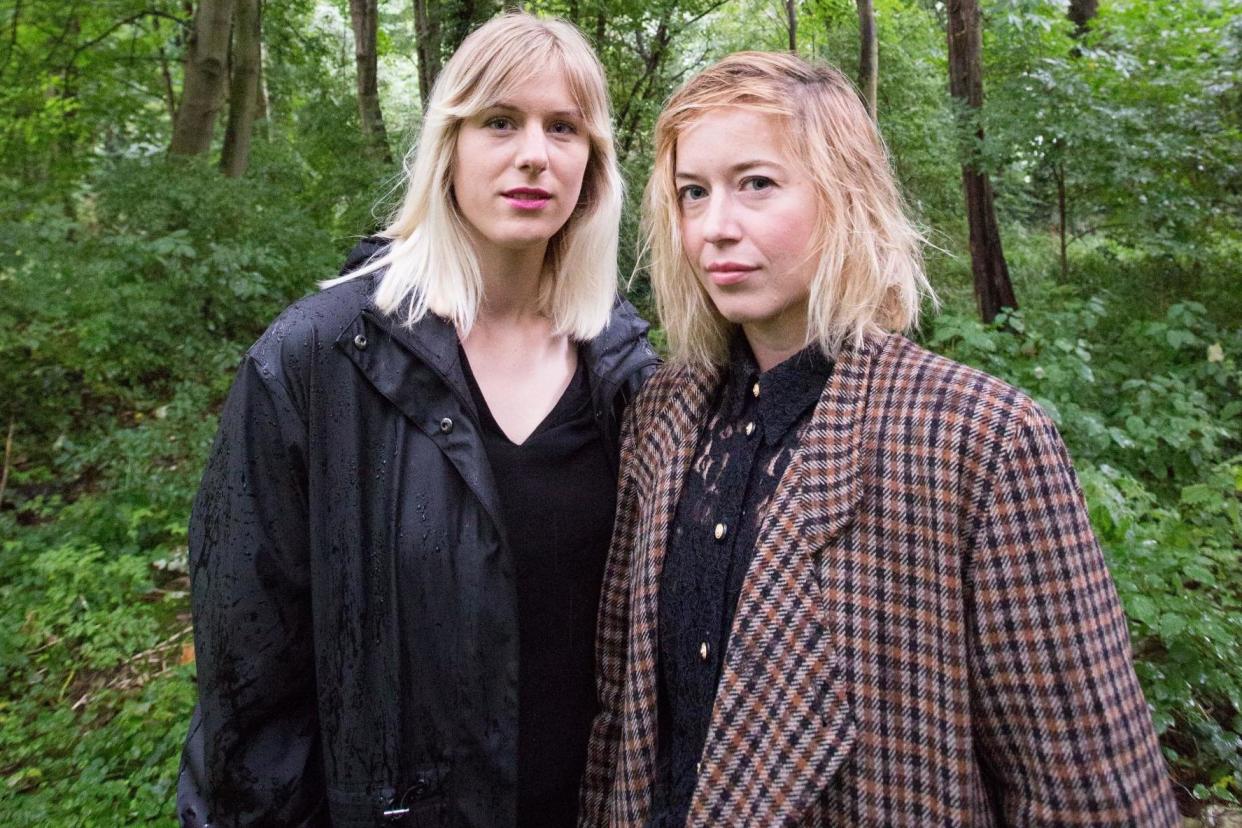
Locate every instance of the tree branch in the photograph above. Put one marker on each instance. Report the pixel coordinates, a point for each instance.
(133, 18)
(8, 455)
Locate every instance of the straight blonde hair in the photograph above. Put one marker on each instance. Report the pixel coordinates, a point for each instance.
(431, 264)
(869, 277)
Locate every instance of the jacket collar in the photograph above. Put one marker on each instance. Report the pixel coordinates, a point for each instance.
(612, 358)
(418, 371)
(394, 358)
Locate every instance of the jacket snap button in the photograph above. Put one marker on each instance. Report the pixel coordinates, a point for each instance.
(360, 342)
(446, 425)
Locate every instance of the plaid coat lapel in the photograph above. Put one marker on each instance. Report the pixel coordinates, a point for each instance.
(676, 433)
(782, 723)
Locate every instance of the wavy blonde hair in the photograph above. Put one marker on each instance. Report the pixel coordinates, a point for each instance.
(870, 274)
(431, 264)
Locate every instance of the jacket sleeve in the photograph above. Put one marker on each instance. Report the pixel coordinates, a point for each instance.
(253, 753)
(1063, 733)
(612, 634)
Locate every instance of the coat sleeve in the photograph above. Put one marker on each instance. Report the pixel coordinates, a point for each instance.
(1063, 733)
(612, 634)
(253, 753)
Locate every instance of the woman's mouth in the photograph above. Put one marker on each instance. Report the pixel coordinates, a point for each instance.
(527, 198)
(724, 274)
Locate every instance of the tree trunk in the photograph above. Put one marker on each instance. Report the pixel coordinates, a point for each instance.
(868, 66)
(206, 76)
(364, 15)
(993, 289)
(791, 17)
(427, 31)
(170, 95)
(243, 89)
(629, 115)
(1062, 220)
(261, 111)
(1081, 12)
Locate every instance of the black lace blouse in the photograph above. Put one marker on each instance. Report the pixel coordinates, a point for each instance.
(742, 452)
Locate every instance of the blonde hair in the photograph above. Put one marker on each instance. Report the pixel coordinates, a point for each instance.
(869, 277)
(431, 263)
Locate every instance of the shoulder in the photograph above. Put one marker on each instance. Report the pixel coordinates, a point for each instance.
(907, 376)
(309, 324)
(665, 405)
(960, 425)
(621, 354)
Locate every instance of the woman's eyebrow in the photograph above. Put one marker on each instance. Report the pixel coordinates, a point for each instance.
(559, 113)
(740, 167)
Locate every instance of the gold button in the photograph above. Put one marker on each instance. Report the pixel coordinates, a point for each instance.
(754, 389)
(750, 429)
(703, 651)
(720, 530)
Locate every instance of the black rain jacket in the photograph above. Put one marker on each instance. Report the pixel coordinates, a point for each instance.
(355, 615)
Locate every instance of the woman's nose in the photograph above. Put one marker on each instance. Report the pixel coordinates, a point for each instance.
(720, 220)
(532, 152)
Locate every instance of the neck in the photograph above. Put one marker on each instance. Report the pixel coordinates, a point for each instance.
(511, 280)
(772, 346)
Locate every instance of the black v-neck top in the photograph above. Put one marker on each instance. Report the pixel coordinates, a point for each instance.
(557, 499)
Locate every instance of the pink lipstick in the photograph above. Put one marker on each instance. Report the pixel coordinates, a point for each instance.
(527, 198)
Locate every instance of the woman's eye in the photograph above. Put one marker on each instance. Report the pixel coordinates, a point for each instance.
(758, 182)
(564, 128)
(498, 123)
(691, 192)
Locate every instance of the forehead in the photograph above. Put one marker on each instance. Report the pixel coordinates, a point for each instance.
(547, 87)
(721, 138)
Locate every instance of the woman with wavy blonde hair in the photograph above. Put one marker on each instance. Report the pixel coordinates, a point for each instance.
(851, 582)
(397, 547)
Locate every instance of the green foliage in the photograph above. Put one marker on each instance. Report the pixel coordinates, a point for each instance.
(129, 287)
(93, 629)
(170, 270)
(1139, 119)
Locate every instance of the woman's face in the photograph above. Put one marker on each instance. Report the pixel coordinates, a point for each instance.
(518, 166)
(748, 216)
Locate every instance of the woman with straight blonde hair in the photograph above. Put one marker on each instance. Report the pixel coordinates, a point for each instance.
(851, 582)
(397, 547)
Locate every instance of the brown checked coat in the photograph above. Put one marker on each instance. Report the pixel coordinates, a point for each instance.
(927, 634)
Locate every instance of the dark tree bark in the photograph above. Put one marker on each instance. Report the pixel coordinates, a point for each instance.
(868, 66)
(170, 95)
(440, 28)
(244, 88)
(791, 19)
(427, 32)
(993, 288)
(1081, 12)
(364, 15)
(206, 75)
(629, 116)
(464, 16)
(1062, 219)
